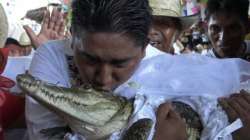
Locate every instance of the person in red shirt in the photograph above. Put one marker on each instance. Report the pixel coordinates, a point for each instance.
(11, 106)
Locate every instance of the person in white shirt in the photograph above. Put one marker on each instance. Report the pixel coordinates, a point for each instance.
(109, 50)
(228, 25)
(117, 40)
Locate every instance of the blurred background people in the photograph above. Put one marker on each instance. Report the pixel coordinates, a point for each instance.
(17, 49)
(18, 55)
(11, 106)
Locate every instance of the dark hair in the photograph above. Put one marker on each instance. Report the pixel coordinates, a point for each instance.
(129, 17)
(12, 41)
(236, 7)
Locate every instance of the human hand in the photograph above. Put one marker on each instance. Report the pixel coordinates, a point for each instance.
(238, 106)
(169, 124)
(52, 28)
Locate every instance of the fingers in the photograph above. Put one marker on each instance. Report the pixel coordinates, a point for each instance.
(168, 124)
(53, 18)
(238, 105)
(242, 100)
(56, 20)
(232, 114)
(46, 20)
(245, 95)
(174, 115)
(163, 110)
(31, 35)
(55, 26)
(61, 31)
(59, 21)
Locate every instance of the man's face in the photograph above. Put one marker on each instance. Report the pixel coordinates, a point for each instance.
(163, 38)
(15, 50)
(226, 33)
(106, 60)
(163, 34)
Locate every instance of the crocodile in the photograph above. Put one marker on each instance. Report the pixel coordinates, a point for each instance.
(92, 113)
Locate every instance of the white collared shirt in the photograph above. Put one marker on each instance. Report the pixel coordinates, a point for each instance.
(194, 79)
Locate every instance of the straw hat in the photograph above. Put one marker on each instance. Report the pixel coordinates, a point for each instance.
(186, 10)
(3, 27)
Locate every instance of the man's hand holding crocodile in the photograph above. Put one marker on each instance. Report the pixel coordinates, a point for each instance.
(238, 106)
(169, 124)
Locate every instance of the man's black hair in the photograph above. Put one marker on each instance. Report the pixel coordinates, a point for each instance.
(236, 7)
(129, 17)
(12, 41)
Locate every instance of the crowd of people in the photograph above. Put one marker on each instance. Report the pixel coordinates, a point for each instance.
(156, 44)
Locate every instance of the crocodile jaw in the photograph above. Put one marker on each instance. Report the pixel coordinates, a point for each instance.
(90, 113)
(88, 106)
(28, 83)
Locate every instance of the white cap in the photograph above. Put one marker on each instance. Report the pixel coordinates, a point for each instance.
(24, 39)
(3, 27)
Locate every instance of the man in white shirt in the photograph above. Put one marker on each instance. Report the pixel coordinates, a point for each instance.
(110, 56)
(228, 25)
(108, 50)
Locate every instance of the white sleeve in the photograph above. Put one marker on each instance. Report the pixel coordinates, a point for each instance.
(46, 65)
